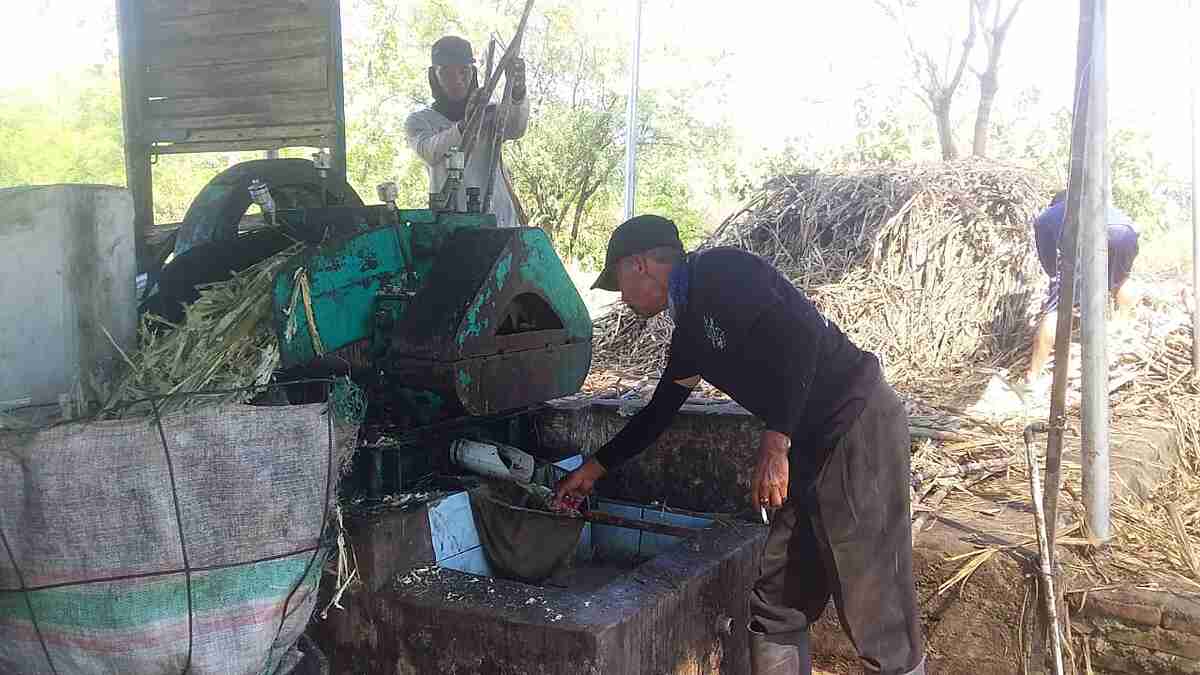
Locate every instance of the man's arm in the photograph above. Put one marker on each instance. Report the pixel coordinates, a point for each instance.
(518, 119)
(518, 110)
(429, 144)
(642, 430)
(648, 424)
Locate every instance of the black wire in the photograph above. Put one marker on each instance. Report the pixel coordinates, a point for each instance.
(187, 571)
(28, 602)
(160, 397)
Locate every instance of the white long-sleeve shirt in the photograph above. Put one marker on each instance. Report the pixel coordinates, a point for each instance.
(431, 135)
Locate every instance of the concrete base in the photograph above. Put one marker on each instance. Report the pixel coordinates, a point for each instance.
(705, 460)
(683, 612)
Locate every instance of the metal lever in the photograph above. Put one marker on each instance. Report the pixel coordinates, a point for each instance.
(261, 195)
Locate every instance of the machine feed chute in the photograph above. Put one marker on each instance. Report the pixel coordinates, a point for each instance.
(497, 325)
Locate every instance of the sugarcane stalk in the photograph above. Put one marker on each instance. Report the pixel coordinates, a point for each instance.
(475, 119)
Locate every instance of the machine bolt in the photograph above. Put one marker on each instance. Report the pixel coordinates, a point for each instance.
(724, 625)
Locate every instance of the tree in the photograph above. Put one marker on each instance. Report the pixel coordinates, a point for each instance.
(936, 80)
(994, 32)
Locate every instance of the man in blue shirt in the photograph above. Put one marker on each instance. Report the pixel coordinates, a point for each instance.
(1122, 250)
(833, 458)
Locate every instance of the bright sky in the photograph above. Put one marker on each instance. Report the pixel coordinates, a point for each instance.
(795, 67)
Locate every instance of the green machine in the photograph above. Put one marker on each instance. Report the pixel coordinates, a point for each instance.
(448, 323)
(444, 307)
(453, 327)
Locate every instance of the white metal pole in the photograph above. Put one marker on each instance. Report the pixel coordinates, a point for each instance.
(1191, 23)
(1093, 249)
(631, 133)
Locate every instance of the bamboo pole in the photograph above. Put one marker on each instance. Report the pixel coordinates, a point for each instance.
(475, 118)
(1046, 576)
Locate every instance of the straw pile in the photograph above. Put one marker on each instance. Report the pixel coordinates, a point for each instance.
(225, 343)
(1155, 537)
(927, 266)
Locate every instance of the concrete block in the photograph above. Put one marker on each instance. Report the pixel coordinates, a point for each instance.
(1182, 614)
(67, 269)
(1158, 639)
(1126, 606)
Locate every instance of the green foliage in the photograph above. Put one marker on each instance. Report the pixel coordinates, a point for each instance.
(568, 170)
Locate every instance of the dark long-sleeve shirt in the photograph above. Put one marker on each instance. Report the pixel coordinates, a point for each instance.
(747, 330)
(1048, 230)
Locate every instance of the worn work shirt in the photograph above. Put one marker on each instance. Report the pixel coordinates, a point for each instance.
(743, 327)
(1048, 230)
(431, 135)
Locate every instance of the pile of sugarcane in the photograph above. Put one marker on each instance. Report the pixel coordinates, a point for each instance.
(225, 343)
(928, 266)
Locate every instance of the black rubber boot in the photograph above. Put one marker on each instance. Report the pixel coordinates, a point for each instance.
(780, 654)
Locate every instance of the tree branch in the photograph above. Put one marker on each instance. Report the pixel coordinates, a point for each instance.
(967, 45)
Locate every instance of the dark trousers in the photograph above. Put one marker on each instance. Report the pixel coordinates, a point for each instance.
(847, 535)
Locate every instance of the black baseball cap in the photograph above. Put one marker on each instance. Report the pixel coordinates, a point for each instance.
(452, 51)
(636, 235)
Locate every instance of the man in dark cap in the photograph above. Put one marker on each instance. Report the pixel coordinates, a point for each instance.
(432, 131)
(832, 462)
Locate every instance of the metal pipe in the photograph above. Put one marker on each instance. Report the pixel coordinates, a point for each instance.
(1093, 237)
(1068, 249)
(631, 134)
(1195, 208)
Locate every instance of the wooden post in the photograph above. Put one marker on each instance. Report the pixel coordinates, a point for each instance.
(338, 151)
(138, 175)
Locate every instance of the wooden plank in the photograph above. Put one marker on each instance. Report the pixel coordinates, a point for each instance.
(236, 79)
(241, 20)
(164, 128)
(281, 108)
(160, 9)
(251, 133)
(138, 172)
(221, 49)
(230, 146)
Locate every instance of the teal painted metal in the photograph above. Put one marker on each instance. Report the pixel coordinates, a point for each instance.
(475, 325)
(344, 279)
(543, 269)
(347, 276)
(454, 315)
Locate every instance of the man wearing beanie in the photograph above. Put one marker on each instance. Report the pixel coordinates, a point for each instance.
(432, 131)
(832, 462)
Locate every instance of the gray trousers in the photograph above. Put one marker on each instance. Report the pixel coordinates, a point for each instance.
(847, 535)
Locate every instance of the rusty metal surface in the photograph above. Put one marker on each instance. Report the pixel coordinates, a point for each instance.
(492, 327)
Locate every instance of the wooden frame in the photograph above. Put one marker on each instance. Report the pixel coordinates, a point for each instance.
(224, 75)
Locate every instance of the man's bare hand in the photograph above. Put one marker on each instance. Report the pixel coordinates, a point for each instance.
(770, 485)
(580, 482)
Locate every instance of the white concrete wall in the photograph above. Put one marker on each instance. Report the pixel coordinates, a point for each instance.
(66, 269)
